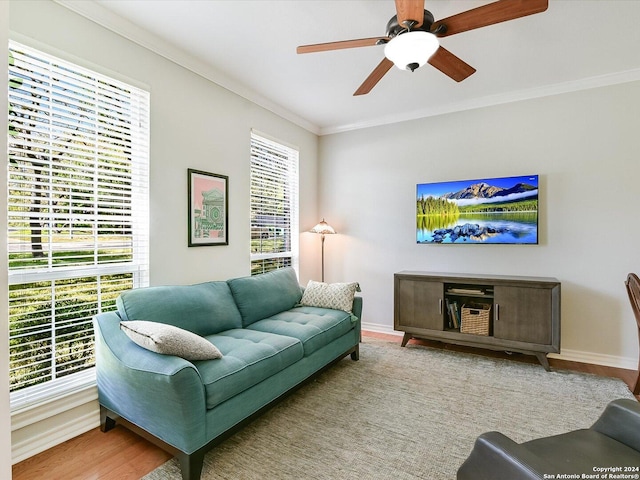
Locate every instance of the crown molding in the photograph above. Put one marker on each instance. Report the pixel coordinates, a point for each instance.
(107, 19)
(489, 101)
(129, 30)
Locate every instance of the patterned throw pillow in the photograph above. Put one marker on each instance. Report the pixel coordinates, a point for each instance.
(169, 340)
(338, 296)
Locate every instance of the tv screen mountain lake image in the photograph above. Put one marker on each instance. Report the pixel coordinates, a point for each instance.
(490, 210)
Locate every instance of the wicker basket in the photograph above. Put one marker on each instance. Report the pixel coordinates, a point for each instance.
(476, 319)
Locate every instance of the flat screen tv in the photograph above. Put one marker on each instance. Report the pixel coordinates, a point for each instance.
(486, 210)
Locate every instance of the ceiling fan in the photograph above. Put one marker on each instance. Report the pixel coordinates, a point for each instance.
(412, 37)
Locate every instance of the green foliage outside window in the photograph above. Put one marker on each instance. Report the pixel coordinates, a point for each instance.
(72, 139)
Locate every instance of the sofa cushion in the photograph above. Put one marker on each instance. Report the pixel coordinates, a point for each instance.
(249, 357)
(169, 340)
(338, 296)
(314, 327)
(204, 309)
(261, 296)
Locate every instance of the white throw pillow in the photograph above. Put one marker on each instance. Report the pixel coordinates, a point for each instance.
(338, 296)
(170, 340)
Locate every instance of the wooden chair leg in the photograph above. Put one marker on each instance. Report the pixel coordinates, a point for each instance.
(632, 285)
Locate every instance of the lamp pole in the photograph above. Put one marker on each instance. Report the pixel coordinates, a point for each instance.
(322, 237)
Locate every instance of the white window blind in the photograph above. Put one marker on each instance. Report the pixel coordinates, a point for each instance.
(77, 214)
(274, 205)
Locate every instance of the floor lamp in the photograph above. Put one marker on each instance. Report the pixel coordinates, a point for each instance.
(323, 228)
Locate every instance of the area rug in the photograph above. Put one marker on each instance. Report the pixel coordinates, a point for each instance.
(404, 413)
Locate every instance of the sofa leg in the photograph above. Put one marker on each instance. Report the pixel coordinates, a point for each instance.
(106, 422)
(355, 355)
(191, 465)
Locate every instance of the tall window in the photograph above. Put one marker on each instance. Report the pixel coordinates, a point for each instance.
(77, 215)
(274, 205)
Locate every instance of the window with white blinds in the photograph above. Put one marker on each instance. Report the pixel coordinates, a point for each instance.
(78, 151)
(274, 205)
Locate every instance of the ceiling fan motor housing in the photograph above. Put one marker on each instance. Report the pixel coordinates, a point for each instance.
(394, 29)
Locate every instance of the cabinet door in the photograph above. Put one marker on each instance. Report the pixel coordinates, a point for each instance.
(522, 314)
(418, 304)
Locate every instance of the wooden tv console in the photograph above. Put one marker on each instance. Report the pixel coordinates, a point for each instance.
(524, 312)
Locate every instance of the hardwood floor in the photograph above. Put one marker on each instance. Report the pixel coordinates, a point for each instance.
(122, 455)
(117, 455)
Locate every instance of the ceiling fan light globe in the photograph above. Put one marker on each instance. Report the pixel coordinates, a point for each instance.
(411, 48)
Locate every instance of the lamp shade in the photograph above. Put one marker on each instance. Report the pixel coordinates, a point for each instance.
(324, 228)
(411, 50)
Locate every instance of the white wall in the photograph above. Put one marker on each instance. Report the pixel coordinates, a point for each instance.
(586, 148)
(194, 124)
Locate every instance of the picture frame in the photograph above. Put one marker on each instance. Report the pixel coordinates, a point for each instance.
(208, 199)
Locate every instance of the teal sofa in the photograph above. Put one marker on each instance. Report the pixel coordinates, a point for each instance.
(270, 345)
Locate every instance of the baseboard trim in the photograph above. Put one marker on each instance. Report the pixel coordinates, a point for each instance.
(625, 363)
(567, 354)
(377, 328)
(59, 434)
(41, 427)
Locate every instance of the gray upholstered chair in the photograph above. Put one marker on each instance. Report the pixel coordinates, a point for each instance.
(613, 441)
(633, 289)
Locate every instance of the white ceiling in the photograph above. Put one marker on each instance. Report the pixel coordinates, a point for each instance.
(249, 47)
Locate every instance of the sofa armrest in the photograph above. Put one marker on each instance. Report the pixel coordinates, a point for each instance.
(162, 394)
(357, 307)
(130, 355)
(497, 457)
(621, 421)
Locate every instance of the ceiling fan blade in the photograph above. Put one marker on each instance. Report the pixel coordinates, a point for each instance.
(490, 14)
(375, 76)
(410, 10)
(323, 47)
(450, 65)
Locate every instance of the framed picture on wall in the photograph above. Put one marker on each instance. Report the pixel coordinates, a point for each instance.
(208, 209)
